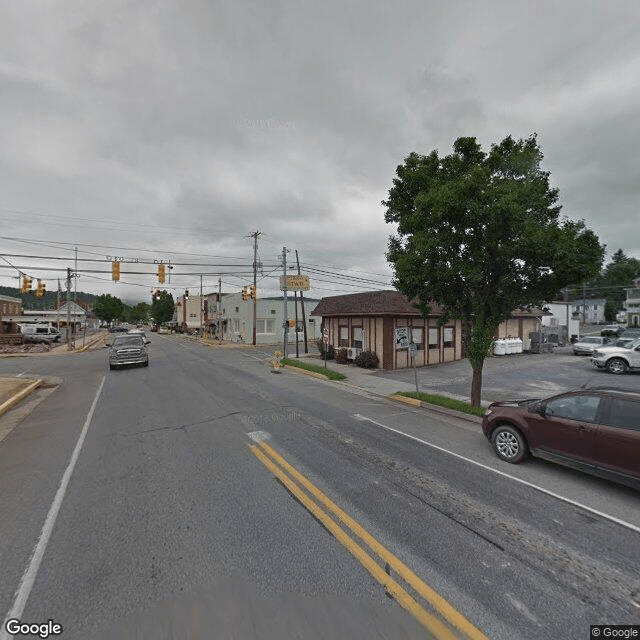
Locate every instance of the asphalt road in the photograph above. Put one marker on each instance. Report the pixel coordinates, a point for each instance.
(172, 519)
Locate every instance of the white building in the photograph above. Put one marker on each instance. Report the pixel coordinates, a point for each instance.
(237, 316)
(632, 305)
(561, 317)
(589, 311)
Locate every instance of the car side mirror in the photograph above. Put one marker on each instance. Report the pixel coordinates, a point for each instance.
(537, 407)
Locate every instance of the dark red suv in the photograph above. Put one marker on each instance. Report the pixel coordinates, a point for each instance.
(595, 430)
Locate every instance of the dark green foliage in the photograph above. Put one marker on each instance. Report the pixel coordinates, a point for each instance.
(327, 352)
(341, 356)
(367, 360)
(162, 308)
(480, 235)
(108, 308)
(139, 313)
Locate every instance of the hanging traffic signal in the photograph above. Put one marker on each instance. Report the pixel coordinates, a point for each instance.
(245, 293)
(41, 289)
(161, 273)
(253, 292)
(26, 284)
(115, 270)
(186, 294)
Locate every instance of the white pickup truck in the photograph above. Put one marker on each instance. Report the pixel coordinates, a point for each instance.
(618, 359)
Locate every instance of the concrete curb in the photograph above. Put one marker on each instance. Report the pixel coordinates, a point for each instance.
(437, 408)
(5, 406)
(313, 374)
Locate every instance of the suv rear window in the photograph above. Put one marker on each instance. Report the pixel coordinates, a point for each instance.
(624, 414)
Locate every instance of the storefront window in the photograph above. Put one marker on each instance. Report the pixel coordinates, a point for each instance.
(448, 337)
(343, 339)
(416, 338)
(434, 337)
(356, 335)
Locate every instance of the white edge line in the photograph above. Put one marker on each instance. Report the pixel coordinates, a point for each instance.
(623, 523)
(30, 574)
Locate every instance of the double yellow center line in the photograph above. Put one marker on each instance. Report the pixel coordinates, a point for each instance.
(446, 625)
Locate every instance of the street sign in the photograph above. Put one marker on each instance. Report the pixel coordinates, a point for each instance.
(402, 337)
(413, 349)
(294, 283)
(325, 335)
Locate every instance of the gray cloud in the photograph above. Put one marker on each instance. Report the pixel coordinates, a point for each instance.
(180, 127)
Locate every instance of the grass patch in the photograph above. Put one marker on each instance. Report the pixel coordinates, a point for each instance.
(444, 401)
(332, 375)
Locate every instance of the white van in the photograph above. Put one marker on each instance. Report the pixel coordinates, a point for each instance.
(39, 333)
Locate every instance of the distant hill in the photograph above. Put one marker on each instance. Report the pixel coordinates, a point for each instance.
(48, 301)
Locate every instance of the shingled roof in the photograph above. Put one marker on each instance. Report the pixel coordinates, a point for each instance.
(387, 303)
(379, 303)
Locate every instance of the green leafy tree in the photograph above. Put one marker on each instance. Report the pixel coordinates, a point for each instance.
(480, 235)
(162, 307)
(139, 313)
(108, 308)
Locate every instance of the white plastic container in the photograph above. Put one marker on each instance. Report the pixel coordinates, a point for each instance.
(499, 348)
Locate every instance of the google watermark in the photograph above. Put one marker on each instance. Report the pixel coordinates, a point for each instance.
(614, 631)
(17, 628)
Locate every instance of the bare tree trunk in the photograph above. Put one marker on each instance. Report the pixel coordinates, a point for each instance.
(476, 386)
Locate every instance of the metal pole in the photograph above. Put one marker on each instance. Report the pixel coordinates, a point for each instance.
(201, 306)
(286, 313)
(304, 319)
(295, 297)
(255, 284)
(218, 309)
(68, 309)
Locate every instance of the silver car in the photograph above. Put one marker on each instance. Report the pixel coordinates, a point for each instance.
(586, 346)
(128, 349)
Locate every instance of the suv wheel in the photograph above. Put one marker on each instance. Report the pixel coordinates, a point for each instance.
(509, 444)
(616, 365)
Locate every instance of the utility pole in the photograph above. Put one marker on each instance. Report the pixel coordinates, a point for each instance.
(218, 310)
(68, 309)
(304, 319)
(286, 315)
(201, 309)
(255, 235)
(75, 277)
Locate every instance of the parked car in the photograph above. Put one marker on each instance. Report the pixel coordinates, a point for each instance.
(39, 333)
(138, 332)
(611, 330)
(618, 358)
(594, 430)
(128, 349)
(585, 346)
(118, 328)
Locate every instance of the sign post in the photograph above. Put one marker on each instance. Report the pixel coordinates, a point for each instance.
(325, 340)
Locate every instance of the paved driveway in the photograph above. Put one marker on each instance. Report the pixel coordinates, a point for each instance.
(517, 376)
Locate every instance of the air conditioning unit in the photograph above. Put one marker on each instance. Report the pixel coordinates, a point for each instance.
(353, 353)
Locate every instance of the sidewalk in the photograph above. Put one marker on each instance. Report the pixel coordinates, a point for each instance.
(12, 390)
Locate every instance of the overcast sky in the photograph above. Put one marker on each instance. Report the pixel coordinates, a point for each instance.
(170, 130)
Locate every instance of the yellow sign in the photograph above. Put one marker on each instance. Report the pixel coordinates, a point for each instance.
(294, 283)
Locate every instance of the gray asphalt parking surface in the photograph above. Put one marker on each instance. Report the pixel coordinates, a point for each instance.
(524, 375)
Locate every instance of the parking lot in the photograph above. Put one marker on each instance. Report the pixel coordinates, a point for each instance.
(525, 375)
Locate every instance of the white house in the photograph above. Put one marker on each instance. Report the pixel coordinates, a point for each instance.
(589, 311)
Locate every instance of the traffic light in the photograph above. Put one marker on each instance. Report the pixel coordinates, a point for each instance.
(253, 292)
(161, 273)
(186, 294)
(156, 294)
(245, 293)
(41, 289)
(26, 284)
(115, 270)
